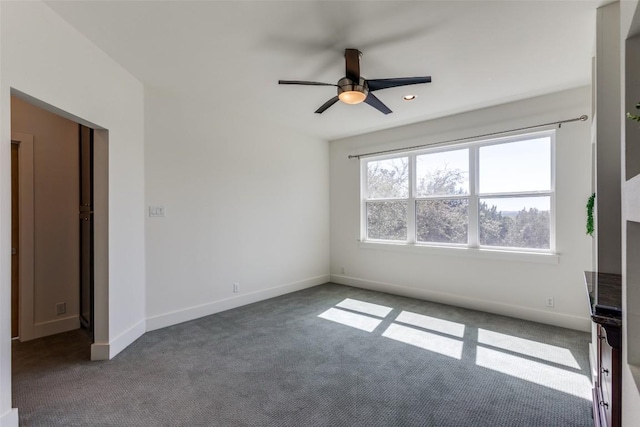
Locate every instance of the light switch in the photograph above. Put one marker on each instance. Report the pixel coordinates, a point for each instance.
(156, 211)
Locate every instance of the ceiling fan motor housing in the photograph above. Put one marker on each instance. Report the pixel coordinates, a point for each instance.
(346, 87)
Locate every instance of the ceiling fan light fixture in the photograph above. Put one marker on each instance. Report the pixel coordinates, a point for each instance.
(354, 89)
(352, 97)
(351, 92)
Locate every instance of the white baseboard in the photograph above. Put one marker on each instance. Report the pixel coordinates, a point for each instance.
(107, 351)
(9, 418)
(195, 312)
(57, 326)
(100, 351)
(126, 338)
(519, 312)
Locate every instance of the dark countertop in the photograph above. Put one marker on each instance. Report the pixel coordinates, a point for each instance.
(605, 297)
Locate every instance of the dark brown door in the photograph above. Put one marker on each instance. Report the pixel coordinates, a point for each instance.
(86, 228)
(15, 240)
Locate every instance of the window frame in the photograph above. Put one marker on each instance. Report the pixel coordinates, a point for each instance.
(473, 195)
(364, 200)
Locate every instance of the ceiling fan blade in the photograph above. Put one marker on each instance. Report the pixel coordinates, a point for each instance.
(303, 82)
(372, 100)
(352, 64)
(377, 84)
(327, 104)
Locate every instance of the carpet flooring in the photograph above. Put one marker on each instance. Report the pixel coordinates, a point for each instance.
(330, 355)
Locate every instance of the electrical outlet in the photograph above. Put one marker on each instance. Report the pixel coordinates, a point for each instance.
(550, 302)
(156, 211)
(61, 308)
(236, 288)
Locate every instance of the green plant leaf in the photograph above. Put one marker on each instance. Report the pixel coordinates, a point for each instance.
(590, 205)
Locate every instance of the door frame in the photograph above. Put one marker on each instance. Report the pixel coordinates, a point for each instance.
(26, 205)
(102, 347)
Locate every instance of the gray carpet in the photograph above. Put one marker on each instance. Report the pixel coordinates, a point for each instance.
(277, 363)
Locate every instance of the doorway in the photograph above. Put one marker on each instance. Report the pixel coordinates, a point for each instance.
(52, 281)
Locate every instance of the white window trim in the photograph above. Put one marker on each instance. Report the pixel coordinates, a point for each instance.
(473, 247)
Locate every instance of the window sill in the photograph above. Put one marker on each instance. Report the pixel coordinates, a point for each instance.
(494, 254)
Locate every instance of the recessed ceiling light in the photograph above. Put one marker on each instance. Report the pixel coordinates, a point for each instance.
(409, 97)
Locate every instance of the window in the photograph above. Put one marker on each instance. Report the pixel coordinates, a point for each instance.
(442, 197)
(497, 194)
(387, 199)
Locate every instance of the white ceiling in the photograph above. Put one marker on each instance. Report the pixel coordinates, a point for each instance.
(229, 55)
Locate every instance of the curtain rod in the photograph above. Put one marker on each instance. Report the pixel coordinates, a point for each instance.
(582, 118)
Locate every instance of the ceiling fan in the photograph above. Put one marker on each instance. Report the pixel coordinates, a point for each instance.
(354, 89)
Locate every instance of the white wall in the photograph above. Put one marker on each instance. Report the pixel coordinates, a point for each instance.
(246, 201)
(8, 416)
(44, 57)
(515, 288)
(608, 222)
(56, 188)
(630, 64)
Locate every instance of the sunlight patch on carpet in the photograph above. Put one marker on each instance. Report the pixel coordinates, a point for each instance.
(365, 307)
(431, 323)
(550, 353)
(576, 384)
(425, 340)
(358, 321)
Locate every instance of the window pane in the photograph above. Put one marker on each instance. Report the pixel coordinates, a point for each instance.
(442, 221)
(388, 178)
(516, 222)
(387, 220)
(444, 173)
(516, 166)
